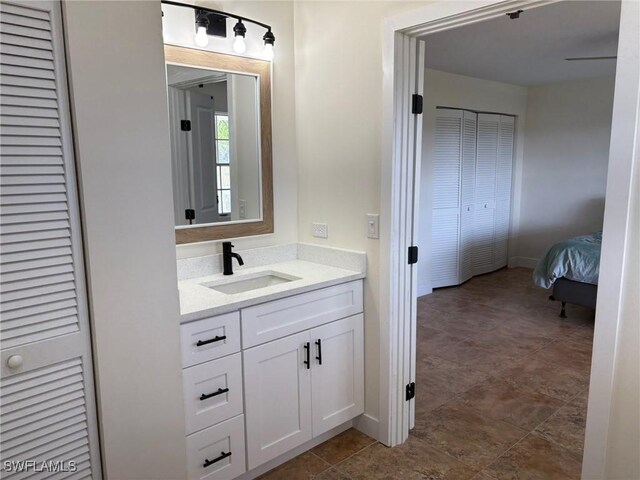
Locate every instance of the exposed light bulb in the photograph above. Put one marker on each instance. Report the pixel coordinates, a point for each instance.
(201, 38)
(268, 51)
(239, 46)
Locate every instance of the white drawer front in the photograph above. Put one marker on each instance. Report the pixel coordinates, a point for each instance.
(212, 392)
(279, 318)
(210, 338)
(211, 447)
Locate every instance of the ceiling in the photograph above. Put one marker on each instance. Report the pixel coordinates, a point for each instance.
(531, 50)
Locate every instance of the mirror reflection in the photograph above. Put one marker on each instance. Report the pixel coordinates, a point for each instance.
(215, 146)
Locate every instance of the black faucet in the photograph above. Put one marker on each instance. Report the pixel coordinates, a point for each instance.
(227, 256)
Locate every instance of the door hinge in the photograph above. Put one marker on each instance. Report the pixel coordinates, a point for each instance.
(185, 125)
(413, 254)
(411, 390)
(416, 104)
(190, 214)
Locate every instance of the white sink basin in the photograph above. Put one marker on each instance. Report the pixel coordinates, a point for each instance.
(248, 282)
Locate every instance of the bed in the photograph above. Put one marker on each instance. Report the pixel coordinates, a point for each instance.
(571, 268)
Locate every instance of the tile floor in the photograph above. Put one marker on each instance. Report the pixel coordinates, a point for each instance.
(501, 392)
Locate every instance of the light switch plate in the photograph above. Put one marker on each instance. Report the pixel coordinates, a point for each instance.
(373, 225)
(242, 208)
(320, 230)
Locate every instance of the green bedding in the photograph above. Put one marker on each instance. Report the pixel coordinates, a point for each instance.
(576, 259)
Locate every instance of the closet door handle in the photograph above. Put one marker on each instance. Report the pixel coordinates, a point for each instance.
(319, 357)
(222, 456)
(214, 394)
(217, 338)
(307, 362)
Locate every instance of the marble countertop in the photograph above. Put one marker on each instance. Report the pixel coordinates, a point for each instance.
(198, 301)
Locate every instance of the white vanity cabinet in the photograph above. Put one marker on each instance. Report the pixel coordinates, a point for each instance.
(300, 373)
(301, 386)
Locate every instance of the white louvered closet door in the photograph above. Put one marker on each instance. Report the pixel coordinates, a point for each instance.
(446, 198)
(467, 195)
(503, 191)
(47, 411)
(485, 194)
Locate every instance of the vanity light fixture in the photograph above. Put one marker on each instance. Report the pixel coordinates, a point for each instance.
(238, 42)
(202, 23)
(213, 22)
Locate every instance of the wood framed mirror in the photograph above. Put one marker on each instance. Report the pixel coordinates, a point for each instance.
(221, 153)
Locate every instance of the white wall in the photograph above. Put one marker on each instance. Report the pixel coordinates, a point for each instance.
(459, 91)
(119, 107)
(179, 30)
(339, 126)
(566, 154)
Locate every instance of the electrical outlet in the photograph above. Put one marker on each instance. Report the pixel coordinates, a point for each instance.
(320, 230)
(373, 225)
(242, 208)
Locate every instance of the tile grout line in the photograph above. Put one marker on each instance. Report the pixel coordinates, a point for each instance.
(343, 460)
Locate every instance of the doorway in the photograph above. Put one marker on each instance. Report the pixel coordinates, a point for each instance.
(400, 30)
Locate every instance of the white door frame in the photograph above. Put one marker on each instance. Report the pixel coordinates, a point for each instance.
(443, 15)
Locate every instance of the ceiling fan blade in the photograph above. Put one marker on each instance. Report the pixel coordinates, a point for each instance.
(574, 59)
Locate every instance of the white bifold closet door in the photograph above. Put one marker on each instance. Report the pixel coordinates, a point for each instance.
(471, 194)
(453, 197)
(47, 412)
(503, 191)
(494, 164)
(446, 198)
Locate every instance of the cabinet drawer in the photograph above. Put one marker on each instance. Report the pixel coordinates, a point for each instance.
(210, 338)
(212, 392)
(279, 318)
(217, 452)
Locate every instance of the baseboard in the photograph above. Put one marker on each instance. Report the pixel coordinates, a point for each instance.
(367, 425)
(525, 262)
(285, 457)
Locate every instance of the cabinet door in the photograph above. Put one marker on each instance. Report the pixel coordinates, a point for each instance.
(277, 397)
(337, 376)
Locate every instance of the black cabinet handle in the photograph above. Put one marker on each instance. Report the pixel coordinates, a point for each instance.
(222, 456)
(307, 362)
(214, 394)
(319, 357)
(217, 338)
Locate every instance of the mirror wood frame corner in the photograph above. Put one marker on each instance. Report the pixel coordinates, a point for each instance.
(262, 69)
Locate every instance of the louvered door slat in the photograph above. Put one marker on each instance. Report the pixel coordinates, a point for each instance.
(29, 122)
(28, 31)
(52, 318)
(34, 207)
(23, 241)
(46, 411)
(36, 282)
(20, 61)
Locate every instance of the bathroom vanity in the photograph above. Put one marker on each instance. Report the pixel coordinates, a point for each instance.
(272, 357)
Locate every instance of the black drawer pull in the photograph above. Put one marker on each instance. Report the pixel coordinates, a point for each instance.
(222, 456)
(217, 338)
(307, 348)
(214, 394)
(319, 357)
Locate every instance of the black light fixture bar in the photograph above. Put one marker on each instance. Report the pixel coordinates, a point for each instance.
(217, 12)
